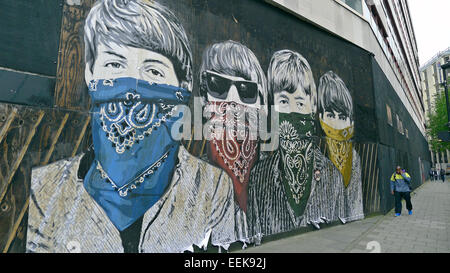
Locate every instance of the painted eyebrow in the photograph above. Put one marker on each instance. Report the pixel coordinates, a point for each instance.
(284, 96)
(115, 54)
(156, 61)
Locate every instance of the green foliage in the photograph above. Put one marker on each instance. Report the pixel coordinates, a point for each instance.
(438, 122)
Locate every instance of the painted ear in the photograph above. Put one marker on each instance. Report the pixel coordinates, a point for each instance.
(88, 75)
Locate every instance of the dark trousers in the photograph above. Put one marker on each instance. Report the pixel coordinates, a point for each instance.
(398, 201)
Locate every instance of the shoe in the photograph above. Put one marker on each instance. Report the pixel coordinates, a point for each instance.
(397, 214)
(410, 212)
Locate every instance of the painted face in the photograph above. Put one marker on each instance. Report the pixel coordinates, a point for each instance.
(336, 120)
(134, 93)
(115, 61)
(297, 102)
(231, 89)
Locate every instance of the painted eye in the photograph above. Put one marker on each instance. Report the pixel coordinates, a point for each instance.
(341, 117)
(113, 65)
(155, 72)
(283, 101)
(330, 115)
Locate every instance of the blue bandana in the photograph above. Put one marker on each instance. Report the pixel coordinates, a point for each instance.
(135, 155)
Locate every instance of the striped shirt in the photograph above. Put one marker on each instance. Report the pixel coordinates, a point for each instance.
(268, 210)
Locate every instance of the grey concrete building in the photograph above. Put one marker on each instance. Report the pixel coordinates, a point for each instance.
(432, 79)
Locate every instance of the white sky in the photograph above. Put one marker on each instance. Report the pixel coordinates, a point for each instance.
(431, 23)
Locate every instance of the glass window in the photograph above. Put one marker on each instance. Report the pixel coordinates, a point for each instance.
(354, 4)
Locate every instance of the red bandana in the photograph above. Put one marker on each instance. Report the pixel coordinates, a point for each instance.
(231, 146)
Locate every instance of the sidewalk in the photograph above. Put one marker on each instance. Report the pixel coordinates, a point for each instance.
(427, 230)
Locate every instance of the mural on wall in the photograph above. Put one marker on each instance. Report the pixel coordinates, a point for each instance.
(139, 189)
(296, 185)
(336, 119)
(233, 86)
(143, 191)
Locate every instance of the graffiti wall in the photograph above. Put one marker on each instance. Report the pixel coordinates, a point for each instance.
(189, 126)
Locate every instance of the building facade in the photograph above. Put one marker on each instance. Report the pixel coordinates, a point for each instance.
(432, 80)
(90, 162)
(381, 27)
(384, 29)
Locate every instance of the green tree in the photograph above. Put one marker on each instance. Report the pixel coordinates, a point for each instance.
(438, 122)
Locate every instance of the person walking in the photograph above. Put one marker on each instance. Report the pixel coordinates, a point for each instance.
(436, 174)
(443, 175)
(401, 188)
(431, 174)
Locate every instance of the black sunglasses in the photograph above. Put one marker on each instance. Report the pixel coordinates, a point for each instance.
(218, 87)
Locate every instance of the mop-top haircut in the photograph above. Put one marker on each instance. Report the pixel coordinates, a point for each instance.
(289, 70)
(141, 24)
(234, 59)
(334, 95)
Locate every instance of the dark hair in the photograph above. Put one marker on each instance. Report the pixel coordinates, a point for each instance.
(141, 24)
(334, 95)
(287, 71)
(234, 59)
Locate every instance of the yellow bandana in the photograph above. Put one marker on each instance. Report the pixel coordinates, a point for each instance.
(340, 146)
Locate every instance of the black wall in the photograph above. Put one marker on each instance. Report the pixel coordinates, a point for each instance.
(395, 148)
(30, 35)
(29, 43)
